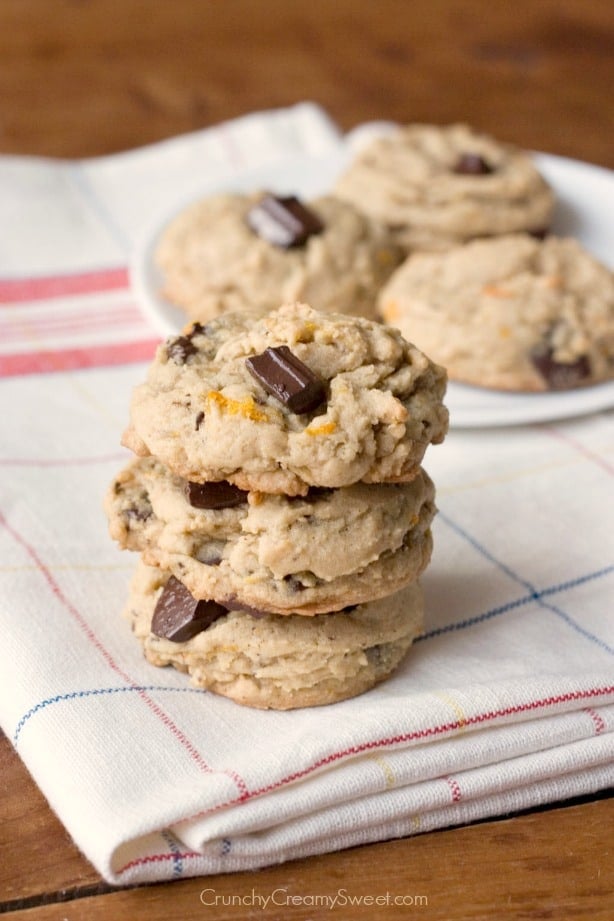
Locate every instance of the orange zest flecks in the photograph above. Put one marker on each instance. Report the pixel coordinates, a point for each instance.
(496, 291)
(390, 310)
(307, 332)
(504, 332)
(327, 428)
(246, 408)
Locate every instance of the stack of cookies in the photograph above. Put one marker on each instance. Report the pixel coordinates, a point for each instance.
(278, 503)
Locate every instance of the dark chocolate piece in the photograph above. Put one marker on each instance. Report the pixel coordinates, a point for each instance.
(471, 164)
(219, 494)
(295, 585)
(198, 421)
(376, 655)
(180, 348)
(138, 512)
(540, 233)
(284, 222)
(178, 616)
(284, 376)
(314, 494)
(560, 375)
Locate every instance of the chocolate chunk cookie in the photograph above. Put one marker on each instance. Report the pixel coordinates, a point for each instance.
(435, 186)
(513, 313)
(255, 252)
(273, 553)
(224, 402)
(270, 661)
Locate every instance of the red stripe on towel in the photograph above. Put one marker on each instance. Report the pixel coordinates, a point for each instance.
(42, 287)
(97, 356)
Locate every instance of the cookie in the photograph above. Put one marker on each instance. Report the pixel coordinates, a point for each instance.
(252, 253)
(512, 313)
(278, 662)
(436, 186)
(296, 399)
(307, 555)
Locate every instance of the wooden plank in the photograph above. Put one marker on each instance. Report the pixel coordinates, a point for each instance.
(555, 858)
(36, 853)
(109, 75)
(554, 864)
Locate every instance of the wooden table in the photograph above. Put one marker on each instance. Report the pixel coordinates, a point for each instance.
(88, 77)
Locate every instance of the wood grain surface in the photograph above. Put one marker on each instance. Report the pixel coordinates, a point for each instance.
(549, 864)
(83, 78)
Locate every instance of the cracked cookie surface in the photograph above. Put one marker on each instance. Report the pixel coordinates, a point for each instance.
(206, 417)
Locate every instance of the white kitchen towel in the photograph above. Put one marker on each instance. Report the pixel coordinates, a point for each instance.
(506, 702)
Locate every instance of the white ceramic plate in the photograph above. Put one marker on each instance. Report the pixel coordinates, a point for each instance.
(585, 205)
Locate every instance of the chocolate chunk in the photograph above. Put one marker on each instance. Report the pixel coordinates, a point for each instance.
(313, 494)
(295, 585)
(376, 655)
(199, 418)
(471, 164)
(284, 222)
(138, 512)
(180, 348)
(284, 376)
(560, 375)
(219, 494)
(179, 616)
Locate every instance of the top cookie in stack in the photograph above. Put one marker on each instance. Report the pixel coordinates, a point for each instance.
(294, 400)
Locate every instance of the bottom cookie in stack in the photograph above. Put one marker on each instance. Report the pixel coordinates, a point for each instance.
(272, 661)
